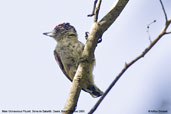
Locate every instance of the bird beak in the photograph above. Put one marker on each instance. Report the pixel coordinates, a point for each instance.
(51, 34)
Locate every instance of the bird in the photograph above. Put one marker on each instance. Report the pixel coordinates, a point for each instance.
(68, 53)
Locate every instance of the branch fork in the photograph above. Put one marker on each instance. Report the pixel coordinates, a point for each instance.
(97, 30)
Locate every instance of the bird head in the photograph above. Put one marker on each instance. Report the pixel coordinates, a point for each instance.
(64, 30)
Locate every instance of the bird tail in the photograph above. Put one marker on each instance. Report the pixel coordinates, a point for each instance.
(94, 91)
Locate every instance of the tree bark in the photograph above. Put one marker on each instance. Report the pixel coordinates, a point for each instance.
(96, 32)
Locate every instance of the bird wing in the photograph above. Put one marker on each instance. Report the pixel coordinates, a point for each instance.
(58, 59)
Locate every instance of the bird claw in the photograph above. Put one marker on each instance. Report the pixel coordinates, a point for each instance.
(99, 40)
(86, 36)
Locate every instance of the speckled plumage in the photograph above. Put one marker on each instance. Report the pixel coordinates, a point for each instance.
(68, 54)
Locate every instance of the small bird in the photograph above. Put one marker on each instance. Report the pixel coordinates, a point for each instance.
(68, 56)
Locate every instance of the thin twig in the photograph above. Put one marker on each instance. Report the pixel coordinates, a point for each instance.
(127, 65)
(94, 7)
(148, 30)
(164, 11)
(168, 32)
(97, 10)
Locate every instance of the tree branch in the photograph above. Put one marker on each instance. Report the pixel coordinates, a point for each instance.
(148, 30)
(71, 102)
(164, 11)
(168, 32)
(97, 10)
(168, 22)
(88, 53)
(112, 15)
(94, 7)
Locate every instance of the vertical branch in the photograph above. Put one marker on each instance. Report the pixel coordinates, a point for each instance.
(97, 10)
(94, 7)
(96, 31)
(164, 11)
(71, 102)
